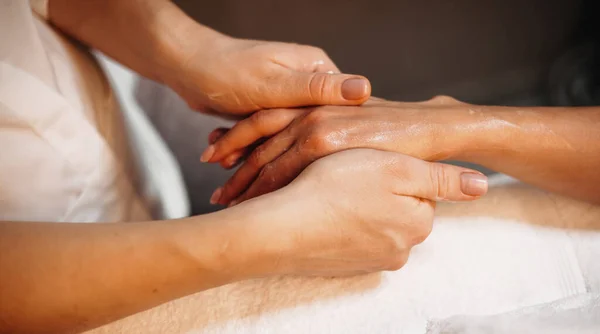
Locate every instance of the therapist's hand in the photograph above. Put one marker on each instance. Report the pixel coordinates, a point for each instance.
(213, 72)
(225, 75)
(354, 212)
(297, 137)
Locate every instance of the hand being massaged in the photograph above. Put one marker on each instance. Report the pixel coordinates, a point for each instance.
(276, 145)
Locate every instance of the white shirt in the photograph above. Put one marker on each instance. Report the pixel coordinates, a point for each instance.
(64, 153)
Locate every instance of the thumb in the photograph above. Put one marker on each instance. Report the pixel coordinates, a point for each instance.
(308, 89)
(443, 182)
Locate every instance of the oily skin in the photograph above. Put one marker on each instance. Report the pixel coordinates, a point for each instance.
(63, 278)
(212, 72)
(557, 149)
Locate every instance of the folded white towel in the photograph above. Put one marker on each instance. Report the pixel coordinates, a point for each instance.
(477, 266)
(579, 314)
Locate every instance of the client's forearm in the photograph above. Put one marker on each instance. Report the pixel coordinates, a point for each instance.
(58, 277)
(152, 37)
(557, 149)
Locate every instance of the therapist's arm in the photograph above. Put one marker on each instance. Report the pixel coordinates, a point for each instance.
(149, 36)
(57, 278)
(212, 72)
(62, 278)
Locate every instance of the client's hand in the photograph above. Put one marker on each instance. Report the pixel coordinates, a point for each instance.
(354, 212)
(236, 77)
(298, 137)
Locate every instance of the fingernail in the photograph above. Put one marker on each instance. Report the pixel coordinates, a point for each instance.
(355, 89)
(208, 153)
(216, 196)
(232, 203)
(472, 184)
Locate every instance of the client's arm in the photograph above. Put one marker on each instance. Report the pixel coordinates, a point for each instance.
(211, 71)
(557, 149)
(57, 277)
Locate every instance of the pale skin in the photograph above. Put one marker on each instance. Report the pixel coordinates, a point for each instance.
(60, 278)
(554, 148)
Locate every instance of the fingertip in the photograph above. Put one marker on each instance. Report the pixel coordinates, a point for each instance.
(473, 184)
(208, 153)
(216, 196)
(356, 89)
(225, 196)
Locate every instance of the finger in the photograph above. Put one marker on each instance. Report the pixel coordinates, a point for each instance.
(296, 89)
(215, 134)
(264, 123)
(262, 155)
(234, 158)
(275, 175)
(241, 155)
(438, 181)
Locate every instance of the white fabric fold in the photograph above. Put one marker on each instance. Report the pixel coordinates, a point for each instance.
(478, 266)
(578, 314)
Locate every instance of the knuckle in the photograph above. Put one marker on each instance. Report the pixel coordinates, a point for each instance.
(443, 100)
(319, 87)
(320, 140)
(422, 232)
(255, 160)
(316, 117)
(439, 181)
(397, 261)
(262, 119)
(266, 176)
(315, 51)
(394, 251)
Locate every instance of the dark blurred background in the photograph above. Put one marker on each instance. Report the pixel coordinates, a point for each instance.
(481, 51)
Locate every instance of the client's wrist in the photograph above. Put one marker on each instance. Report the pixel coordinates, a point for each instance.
(447, 133)
(471, 132)
(433, 134)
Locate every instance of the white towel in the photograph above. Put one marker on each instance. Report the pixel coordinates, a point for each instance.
(478, 266)
(579, 314)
